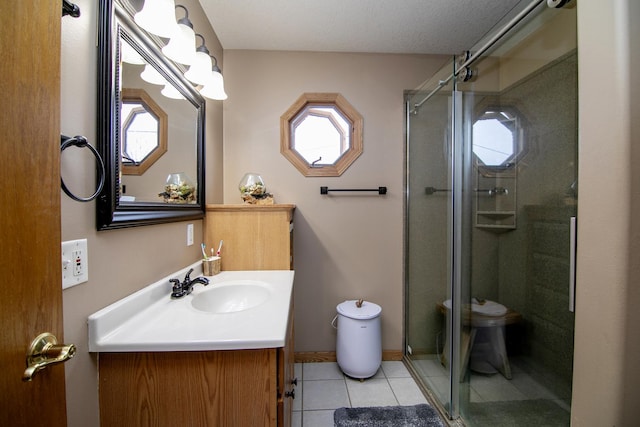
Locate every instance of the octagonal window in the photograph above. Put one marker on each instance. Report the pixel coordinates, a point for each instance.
(144, 131)
(321, 134)
(496, 138)
(140, 136)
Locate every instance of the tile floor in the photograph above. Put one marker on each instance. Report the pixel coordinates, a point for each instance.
(489, 388)
(322, 388)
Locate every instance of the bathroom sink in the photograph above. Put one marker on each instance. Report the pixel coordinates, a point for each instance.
(232, 297)
(237, 310)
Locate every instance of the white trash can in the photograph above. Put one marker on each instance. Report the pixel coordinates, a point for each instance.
(359, 344)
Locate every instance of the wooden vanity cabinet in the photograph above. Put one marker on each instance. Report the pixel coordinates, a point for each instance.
(256, 237)
(201, 388)
(286, 376)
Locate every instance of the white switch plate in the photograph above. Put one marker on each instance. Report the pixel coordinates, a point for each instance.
(189, 234)
(75, 263)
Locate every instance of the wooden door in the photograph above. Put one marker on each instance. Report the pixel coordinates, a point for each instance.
(30, 261)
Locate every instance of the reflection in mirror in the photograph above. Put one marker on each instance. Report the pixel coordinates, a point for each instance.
(497, 137)
(144, 131)
(181, 127)
(321, 134)
(139, 133)
(144, 136)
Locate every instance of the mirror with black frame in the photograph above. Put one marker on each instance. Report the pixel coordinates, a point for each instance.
(171, 186)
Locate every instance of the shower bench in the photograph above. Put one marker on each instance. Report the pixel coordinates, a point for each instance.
(494, 326)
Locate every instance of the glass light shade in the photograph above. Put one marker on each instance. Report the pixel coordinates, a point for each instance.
(157, 17)
(171, 92)
(130, 55)
(214, 88)
(200, 71)
(151, 75)
(182, 46)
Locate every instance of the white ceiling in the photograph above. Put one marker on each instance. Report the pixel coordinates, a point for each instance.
(376, 26)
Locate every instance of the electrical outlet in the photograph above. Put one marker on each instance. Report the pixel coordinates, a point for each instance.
(189, 234)
(75, 263)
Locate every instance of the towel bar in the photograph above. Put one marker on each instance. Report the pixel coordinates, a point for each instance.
(379, 190)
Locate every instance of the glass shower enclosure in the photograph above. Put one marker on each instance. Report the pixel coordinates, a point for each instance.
(491, 207)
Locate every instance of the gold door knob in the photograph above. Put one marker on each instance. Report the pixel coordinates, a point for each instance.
(45, 351)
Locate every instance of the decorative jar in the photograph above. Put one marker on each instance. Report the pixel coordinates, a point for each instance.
(179, 189)
(252, 184)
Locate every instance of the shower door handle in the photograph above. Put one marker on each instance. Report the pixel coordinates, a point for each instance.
(572, 264)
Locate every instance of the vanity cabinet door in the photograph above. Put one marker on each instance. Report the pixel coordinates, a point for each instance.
(255, 237)
(201, 388)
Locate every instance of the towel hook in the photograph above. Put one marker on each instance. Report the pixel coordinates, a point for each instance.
(70, 9)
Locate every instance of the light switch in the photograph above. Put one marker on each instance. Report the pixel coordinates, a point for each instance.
(189, 234)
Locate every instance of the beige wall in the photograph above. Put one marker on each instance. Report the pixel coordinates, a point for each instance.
(346, 247)
(120, 261)
(607, 345)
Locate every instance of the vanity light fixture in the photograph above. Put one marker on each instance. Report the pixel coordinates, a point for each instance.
(151, 75)
(214, 87)
(200, 70)
(157, 17)
(182, 44)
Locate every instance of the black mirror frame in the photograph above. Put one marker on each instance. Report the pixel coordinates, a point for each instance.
(110, 214)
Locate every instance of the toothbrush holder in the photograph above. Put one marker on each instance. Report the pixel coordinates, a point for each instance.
(211, 266)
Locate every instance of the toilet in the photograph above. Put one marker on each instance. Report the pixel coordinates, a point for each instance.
(485, 350)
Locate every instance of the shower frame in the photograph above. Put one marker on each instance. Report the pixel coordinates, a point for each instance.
(459, 205)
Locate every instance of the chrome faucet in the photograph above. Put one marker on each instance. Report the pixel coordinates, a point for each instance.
(181, 289)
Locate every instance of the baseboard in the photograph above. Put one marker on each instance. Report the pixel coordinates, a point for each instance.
(330, 356)
(394, 355)
(314, 356)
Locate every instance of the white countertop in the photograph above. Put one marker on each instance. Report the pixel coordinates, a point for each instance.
(150, 320)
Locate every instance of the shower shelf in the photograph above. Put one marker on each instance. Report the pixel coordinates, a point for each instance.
(497, 214)
(496, 220)
(495, 210)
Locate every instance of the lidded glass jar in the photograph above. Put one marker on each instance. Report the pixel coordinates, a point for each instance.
(252, 184)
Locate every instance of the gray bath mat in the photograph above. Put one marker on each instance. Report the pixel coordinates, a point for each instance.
(388, 416)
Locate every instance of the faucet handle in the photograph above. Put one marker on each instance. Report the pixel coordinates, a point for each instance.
(176, 288)
(187, 279)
